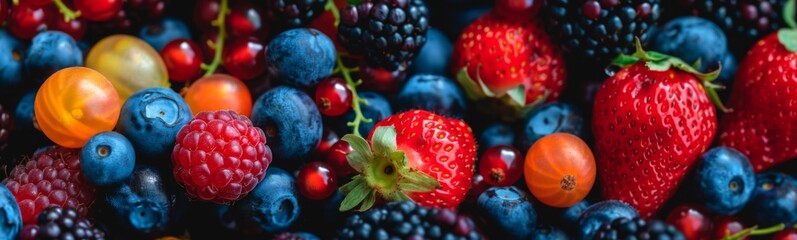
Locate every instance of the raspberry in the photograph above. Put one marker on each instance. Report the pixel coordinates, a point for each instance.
(51, 178)
(220, 156)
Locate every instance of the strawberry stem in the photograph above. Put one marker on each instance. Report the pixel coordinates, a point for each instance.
(210, 69)
(69, 14)
(789, 13)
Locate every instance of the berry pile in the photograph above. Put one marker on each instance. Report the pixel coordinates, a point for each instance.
(398, 119)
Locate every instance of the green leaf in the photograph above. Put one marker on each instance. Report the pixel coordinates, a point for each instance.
(485, 89)
(697, 63)
(369, 201)
(384, 140)
(788, 37)
(472, 90)
(659, 66)
(789, 13)
(399, 157)
(624, 60)
(353, 2)
(346, 188)
(416, 181)
(356, 196)
(517, 95)
(361, 155)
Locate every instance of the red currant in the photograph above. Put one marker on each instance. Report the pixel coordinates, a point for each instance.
(518, 8)
(333, 97)
(26, 21)
(477, 187)
(3, 11)
(246, 19)
(788, 234)
(183, 59)
(316, 181)
(327, 141)
(245, 58)
(382, 80)
(208, 44)
(336, 158)
(38, 3)
(726, 226)
(98, 10)
(148, 9)
(691, 220)
(75, 27)
(205, 11)
(501, 165)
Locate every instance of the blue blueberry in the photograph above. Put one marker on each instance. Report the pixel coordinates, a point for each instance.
(161, 32)
(107, 158)
(691, 38)
(273, 206)
(434, 56)
(548, 119)
(729, 66)
(10, 216)
(141, 203)
(302, 56)
(49, 52)
(11, 61)
(150, 119)
(433, 93)
(724, 179)
(23, 115)
(378, 108)
(603, 212)
(496, 134)
(571, 214)
(291, 121)
(774, 200)
(547, 232)
(508, 210)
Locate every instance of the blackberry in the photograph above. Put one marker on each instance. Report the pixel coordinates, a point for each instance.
(57, 223)
(600, 30)
(294, 13)
(6, 123)
(637, 228)
(406, 220)
(388, 33)
(745, 21)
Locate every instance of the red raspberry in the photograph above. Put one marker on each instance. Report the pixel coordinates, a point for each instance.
(220, 156)
(51, 178)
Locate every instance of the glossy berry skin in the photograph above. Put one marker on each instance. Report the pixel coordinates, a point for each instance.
(204, 12)
(161, 32)
(548, 119)
(328, 139)
(691, 221)
(316, 181)
(11, 58)
(786, 234)
(333, 97)
(726, 226)
(107, 158)
(246, 19)
(64, 223)
(25, 21)
(774, 200)
(433, 93)
(519, 9)
(509, 211)
(291, 121)
(434, 57)
(602, 213)
(49, 52)
(11, 219)
(687, 38)
(129, 63)
(501, 165)
(220, 156)
(143, 203)
(378, 108)
(76, 28)
(724, 179)
(336, 159)
(273, 206)
(560, 170)
(496, 134)
(244, 58)
(652, 126)
(75, 103)
(382, 80)
(219, 92)
(150, 119)
(302, 56)
(98, 10)
(183, 59)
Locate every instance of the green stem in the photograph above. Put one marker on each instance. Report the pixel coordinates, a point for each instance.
(210, 69)
(330, 6)
(355, 100)
(754, 231)
(69, 15)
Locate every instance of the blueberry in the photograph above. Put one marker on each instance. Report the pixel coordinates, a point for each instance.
(302, 56)
(433, 93)
(150, 119)
(508, 210)
(273, 205)
(10, 216)
(49, 52)
(141, 203)
(23, 115)
(724, 179)
(11, 53)
(291, 121)
(496, 134)
(546, 232)
(161, 32)
(434, 56)
(377, 109)
(774, 200)
(570, 215)
(603, 212)
(548, 119)
(107, 158)
(690, 39)
(729, 66)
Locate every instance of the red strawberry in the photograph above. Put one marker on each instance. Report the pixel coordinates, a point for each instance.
(513, 61)
(763, 124)
(652, 120)
(414, 155)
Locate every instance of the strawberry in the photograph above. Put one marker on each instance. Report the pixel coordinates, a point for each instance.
(415, 155)
(512, 61)
(652, 120)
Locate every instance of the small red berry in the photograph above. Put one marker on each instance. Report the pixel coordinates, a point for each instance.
(788, 234)
(246, 19)
(726, 226)
(316, 181)
(518, 9)
(75, 27)
(333, 97)
(327, 141)
(336, 158)
(98, 10)
(477, 187)
(183, 59)
(38, 3)
(691, 220)
(382, 80)
(205, 11)
(591, 9)
(25, 21)
(245, 58)
(501, 165)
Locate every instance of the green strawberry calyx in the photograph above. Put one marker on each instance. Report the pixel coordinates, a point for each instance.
(788, 36)
(656, 61)
(383, 170)
(514, 98)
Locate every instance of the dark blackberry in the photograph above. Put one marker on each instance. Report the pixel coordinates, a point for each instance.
(388, 33)
(294, 13)
(593, 30)
(295, 236)
(637, 228)
(57, 223)
(406, 220)
(745, 21)
(6, 123)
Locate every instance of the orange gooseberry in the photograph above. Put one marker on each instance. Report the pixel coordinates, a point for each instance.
(219, 92)
(559, 170)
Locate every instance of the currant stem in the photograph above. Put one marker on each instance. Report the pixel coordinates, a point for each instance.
(330, 6)
(69, 14)
(754, 231)
(356, 100)
(210, 69)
